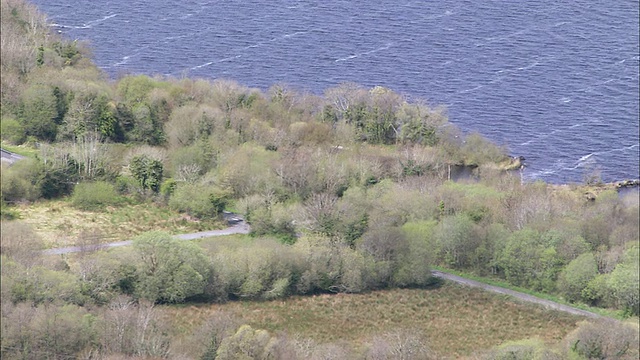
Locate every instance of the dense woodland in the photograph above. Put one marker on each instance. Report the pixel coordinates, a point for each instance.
(346, 192)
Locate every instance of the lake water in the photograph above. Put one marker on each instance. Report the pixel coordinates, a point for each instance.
(555, 81)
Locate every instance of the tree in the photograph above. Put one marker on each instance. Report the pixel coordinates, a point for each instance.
(170, 270)
(456, 241)
(147, 171)
(624, 282)
(529, 259)
(89, 113)
(39, 111)
(577, 275)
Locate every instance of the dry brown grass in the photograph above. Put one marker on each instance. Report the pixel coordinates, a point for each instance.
(456, 321)
(60, 224)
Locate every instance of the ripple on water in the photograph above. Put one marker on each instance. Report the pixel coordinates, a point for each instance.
(514, 71)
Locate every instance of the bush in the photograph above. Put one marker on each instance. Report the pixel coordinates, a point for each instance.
(12, 131)
(18, 239)
(94, 196)
(198, 200)
(606, 339)
(20, 182)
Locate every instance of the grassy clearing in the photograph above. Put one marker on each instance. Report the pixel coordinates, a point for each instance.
(456, 321)
(20, 150)
(60, 224)
(616, 314)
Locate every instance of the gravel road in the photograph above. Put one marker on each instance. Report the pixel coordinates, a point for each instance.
(239, 228)
(518, 295)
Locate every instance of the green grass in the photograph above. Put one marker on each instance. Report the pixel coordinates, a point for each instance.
(60, 224)
(455, 321)
(616, 314)
(20, 150)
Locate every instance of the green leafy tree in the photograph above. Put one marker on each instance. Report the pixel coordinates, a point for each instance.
(529, 258)
(39, 112)
(624, 282)
(147, 171)
(577, 275)
(169, 270)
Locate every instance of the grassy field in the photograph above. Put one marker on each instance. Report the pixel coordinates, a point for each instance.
(60, 224)
(455, 321)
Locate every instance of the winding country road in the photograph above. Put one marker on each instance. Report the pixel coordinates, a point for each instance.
(9, 157)
(239, 226)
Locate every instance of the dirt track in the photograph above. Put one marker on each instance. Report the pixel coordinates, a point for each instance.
(518, 295)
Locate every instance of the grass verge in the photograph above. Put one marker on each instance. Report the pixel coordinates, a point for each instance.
(20, 150)
(616, 314)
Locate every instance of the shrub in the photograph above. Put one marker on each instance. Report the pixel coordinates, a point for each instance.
(20, 182)
(198, 200)
(18, 239)
(606, 339)
(12, 131)
(94, 196)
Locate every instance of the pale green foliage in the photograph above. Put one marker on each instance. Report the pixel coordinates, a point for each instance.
(202, 201)
(477, 150)
(624, 282)
(20, 182)
(455, 240)
(39, 284)
(39, 112)
(529, 258)
(189, 163)
(247, 344)
(246, 170)
(12, 131)
(94, 195)
(478, 201)
(261, 270)
(169, 270)
(135, 89)
(413, 265)
(577, 275)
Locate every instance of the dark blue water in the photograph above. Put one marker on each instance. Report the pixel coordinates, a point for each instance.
(555, 81)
